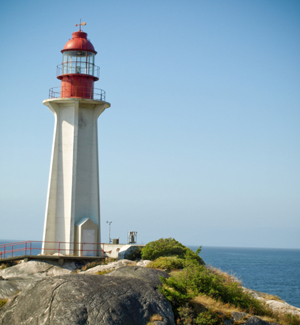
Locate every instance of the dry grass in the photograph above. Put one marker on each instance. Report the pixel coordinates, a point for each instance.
(3, 266)
(6, 265)
(229, 278)
(104, 272)
(271, 297)
(3, 302)
(202, 303)
(96, 263)
(153, 318)
(132, 263)
(215, 305)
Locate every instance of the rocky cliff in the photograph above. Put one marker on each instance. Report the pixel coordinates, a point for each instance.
(45, 293)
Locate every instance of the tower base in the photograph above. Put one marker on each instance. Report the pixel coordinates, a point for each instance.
(73, 191)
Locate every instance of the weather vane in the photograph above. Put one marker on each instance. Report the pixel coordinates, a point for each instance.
(81, 24)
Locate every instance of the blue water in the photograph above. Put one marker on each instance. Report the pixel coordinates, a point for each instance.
(35, 248)
(274, 271)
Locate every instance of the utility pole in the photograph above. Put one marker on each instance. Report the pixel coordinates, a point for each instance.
(109, 223)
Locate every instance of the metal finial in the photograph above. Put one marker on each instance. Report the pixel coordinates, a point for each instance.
(81, 24)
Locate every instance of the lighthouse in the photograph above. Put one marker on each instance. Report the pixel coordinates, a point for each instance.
(72, 218)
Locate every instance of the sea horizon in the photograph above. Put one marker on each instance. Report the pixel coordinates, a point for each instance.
(4, 241)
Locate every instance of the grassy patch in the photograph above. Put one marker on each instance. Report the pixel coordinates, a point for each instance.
(270, 297)
(96, 263)
(168, 263)
(153, 318)
(3, 302)
(202, 296)
(8, 264)
(3, 266)
(288, 319)
(104, 272)
(197, 280)
(168, 247)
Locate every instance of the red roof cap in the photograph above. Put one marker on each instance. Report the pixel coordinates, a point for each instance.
(79, 41)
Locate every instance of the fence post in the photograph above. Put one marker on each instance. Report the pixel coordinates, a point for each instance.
(30, 248)
(4, 251)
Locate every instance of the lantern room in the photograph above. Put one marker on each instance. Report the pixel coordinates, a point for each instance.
(78, 62)
(78, 71)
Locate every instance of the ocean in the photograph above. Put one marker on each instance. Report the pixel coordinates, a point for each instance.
(273, 271)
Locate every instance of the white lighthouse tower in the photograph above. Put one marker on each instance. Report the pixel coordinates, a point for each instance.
(72, 220)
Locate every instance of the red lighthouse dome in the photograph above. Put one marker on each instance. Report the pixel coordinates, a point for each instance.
(78, 71)
(79, 41)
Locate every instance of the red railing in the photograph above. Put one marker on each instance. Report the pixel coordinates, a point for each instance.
(78, 92)
(33, 247)
(78, 67)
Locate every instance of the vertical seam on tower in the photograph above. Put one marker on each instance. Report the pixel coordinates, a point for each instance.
(74, 172)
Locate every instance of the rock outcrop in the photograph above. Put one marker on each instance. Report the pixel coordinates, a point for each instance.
(10, 287)
(148, 275)
(245, 319)
(15, 278)
(88, 299)
(46, 293)
(36, 268)
(276, 304)
(109, 267)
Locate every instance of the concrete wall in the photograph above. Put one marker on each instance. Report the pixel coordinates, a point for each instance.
(73, 191)
(113, 250)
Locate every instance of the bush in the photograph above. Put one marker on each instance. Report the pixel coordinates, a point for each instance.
(136, 254)
(209, 318)
(175, 291)
(186, 315)
(168, 247)
(169, 263)
(197, 279)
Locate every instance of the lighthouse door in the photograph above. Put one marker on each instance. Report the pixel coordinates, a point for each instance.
(88, 239)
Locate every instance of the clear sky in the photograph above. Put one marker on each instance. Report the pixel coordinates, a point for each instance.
(202, 140)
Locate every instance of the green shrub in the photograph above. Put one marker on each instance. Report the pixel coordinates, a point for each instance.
(209, 318)
(175, 291)
(185, 315)
(169, 263)
(135, 254)
(168, 247)
(197, 279)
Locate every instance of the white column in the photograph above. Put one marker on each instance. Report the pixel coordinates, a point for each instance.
(73, 190)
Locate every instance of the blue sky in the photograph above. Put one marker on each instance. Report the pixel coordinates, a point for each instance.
(202, 140)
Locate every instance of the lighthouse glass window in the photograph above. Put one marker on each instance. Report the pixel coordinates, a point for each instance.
(78, 62)
(90, 63)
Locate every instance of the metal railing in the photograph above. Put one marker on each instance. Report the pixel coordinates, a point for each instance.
(78, 68)
(77, 92)
(33, 247)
